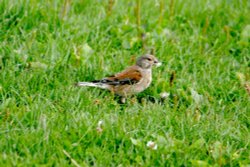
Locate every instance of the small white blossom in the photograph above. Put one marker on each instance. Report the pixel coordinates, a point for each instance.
(99, 126)
(152, 145)
(164, 95)
(100, 123)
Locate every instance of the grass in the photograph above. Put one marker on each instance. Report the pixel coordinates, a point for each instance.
(47, 46)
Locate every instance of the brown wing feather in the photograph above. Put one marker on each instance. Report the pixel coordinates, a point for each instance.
(129, 76)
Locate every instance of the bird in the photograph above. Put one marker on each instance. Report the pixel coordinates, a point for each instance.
(130, 81)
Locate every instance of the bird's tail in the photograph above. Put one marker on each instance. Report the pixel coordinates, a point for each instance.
(91, 84)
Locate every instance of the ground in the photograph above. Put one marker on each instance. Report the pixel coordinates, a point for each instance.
(47, 46)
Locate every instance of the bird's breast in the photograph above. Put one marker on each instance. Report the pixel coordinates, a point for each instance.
(144, 82)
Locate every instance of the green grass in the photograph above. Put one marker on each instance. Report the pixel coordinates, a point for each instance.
(47, 46)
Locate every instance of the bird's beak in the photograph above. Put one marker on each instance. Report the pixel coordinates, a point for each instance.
(158, 64)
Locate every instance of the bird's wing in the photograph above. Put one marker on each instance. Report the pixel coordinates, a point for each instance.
(130, 76)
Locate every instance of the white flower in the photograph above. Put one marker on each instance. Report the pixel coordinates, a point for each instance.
(99, 126)
(152, 145)
(100, 123)
(164, 95)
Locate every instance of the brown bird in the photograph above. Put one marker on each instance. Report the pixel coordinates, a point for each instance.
(132, 80)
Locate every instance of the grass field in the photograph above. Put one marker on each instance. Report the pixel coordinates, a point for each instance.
(46, 46)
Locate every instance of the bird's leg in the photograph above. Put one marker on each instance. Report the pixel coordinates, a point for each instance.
(120, 99)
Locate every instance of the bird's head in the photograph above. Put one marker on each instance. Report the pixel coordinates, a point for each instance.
(147, 61)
